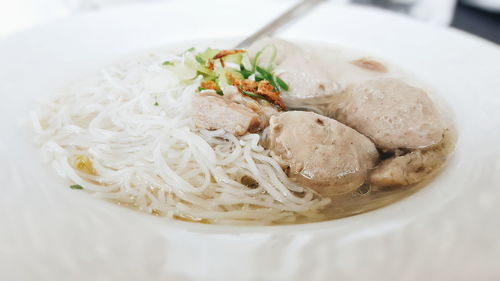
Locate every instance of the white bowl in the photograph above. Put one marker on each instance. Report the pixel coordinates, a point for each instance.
(447, 231)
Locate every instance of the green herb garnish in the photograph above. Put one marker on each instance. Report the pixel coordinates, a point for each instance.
(256, 60)
(281, 84)
(75, 186)
(156, 103)
(245, 72)
(250, 94)
(192, 49)
(195, 64)
(266, 75)
(259, 53)
(219, 92)
(272, 59)
(200, 60)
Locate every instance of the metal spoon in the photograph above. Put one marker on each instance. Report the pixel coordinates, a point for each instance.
(269, 29)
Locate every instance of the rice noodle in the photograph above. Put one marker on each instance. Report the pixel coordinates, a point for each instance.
(133, 123)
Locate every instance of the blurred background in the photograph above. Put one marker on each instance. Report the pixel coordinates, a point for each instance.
(480, 17)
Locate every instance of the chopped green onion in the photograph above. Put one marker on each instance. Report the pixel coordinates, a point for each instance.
(245, 72)
(234, 58)
(219, 92)
(282, 84)
(273, 83)
(167, 63)
(272, 59)
(75, 186)
(200, 60)
(267, 76)
(250, 94)
(256, 59)
(259, 53)
(156, 103)
(209, 53)
(206, 77)
(192, 49)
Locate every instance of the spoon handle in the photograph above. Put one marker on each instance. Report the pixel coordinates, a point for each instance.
(269, 29)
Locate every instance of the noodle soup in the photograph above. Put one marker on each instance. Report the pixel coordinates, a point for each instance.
(192, 136)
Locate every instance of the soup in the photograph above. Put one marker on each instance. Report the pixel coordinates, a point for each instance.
(277, 133)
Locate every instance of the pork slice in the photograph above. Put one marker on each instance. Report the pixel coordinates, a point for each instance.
(211, 111)
(406, 169)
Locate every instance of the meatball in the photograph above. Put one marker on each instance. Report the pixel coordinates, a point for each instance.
(391, 113)
(306, 77)
(320, 152)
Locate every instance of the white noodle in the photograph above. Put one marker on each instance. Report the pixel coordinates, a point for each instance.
(134, 124)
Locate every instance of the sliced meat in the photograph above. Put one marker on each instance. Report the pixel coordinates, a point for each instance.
(391, 113)
(406, 169)
(320, 152)
(306, 77)
(412, 167)
(211, 111)
(262, 107)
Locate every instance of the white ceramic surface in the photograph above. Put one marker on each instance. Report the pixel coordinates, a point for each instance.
(449, 230)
